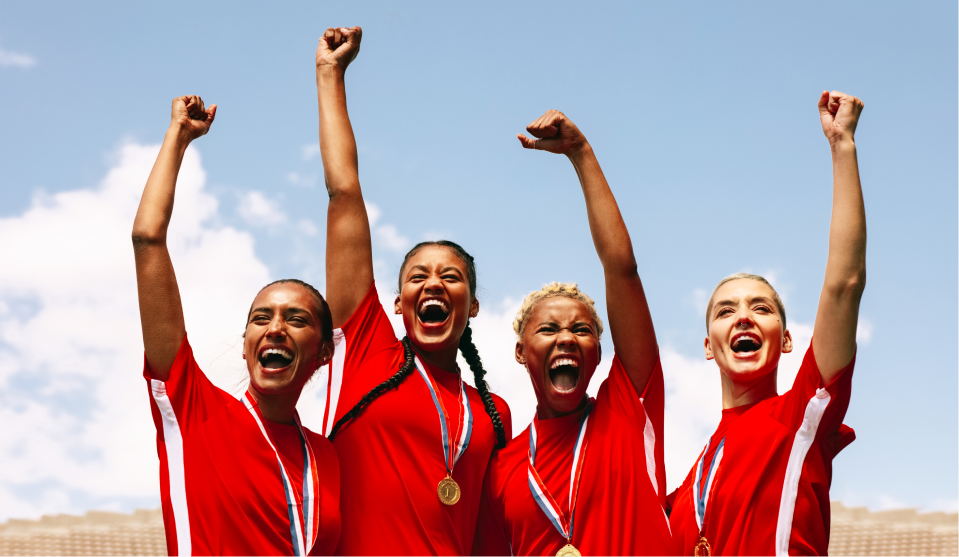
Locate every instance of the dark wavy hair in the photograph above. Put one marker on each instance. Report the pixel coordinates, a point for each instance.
(466, 346)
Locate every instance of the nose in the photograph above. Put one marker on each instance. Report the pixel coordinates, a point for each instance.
(434, 284)
(743, 321)
(566, 339)
(275, 328)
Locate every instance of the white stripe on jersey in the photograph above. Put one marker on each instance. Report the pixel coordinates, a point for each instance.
(335, 379)
(174, 460)
(649, 443)
(801, 443)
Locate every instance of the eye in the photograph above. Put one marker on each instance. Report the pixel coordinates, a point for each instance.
(260, 319)
(546, 329)
(724, 311)
(451, 278)
(583, 330)
(762, 309)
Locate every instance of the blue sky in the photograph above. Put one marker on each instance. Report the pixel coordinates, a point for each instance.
(703, 116)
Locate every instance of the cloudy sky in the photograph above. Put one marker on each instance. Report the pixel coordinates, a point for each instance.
(703, 116)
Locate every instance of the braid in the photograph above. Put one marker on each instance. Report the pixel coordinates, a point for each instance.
(378, 390)
(472, 357)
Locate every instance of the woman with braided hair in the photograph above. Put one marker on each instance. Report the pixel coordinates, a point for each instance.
(587, 475)
(413, 439)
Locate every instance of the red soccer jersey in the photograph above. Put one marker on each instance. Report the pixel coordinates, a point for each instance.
(220, 482)
(391, 455)
(619, 510)
(770, 493)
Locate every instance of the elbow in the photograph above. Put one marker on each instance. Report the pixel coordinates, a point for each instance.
(851, 286)
(142, 237)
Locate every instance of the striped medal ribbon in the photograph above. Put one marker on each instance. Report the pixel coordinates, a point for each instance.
(448, 490)
(542, 495)
(701, 496)
(303, 507)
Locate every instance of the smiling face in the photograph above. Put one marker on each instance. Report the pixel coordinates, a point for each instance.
(283, 345)
(560, 350)
(745, 333)
(435, 298)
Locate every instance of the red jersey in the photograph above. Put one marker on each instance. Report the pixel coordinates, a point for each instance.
(619, 509)
(392, 453)
(770, 488)
(221, 485)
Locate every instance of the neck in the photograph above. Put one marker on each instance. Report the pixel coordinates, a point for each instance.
(278, 408)
(544, 412)
(444, 359)
(737, 394)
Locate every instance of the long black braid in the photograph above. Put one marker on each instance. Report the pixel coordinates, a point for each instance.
(466, 346)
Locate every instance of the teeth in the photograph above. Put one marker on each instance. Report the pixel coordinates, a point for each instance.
(562, 362)
(281, 352)
(428, 303)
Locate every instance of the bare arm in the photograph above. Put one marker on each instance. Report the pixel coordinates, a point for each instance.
(834, 342)
(630, 322)
(349, 253)
(161, 313)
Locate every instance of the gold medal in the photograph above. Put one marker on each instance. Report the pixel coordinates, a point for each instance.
(568, 551)
(448, 491)
(702, 548)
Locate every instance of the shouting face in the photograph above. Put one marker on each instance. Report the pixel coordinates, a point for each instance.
(435, 298)
(284, 344)
(746, 335)
(560, 350)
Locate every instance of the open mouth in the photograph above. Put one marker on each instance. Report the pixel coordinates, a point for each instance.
(746, 344)
(275, 358)
(433, 312)
(564, 374)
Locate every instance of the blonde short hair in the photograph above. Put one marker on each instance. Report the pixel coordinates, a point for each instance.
(737, 276)
(553, 289)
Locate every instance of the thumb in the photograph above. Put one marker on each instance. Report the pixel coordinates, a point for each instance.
(353, 35)
(526, 142)
(210, 115)
(552, 145)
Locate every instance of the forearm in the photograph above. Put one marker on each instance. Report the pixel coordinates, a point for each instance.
(846, 265)
(337, 143)
(156, 204)
(606, 224)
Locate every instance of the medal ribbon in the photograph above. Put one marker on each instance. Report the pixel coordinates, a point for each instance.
(701, 497)
(542, 495)
(303, 508)
(464, 428)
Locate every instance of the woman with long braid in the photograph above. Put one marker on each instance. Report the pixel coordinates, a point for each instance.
(413, 439)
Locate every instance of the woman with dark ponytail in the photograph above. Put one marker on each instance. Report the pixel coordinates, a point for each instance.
(413, 438)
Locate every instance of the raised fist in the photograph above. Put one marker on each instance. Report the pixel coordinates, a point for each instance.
(555, 133)
(338, 47)
(839, 114)
(189, 114)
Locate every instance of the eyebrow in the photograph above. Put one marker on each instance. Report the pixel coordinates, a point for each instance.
(270, 310)
(447, 269)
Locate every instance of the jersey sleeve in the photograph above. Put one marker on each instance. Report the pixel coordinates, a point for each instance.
(366, 333)
(186, 399)
(645, 411)
(807, 387)
(490, 536)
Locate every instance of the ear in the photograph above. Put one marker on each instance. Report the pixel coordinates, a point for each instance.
(474, 307)
(787, 342)
(520, 354)
(709, 349)
(326, 353)
(396, 306)
(599, 350)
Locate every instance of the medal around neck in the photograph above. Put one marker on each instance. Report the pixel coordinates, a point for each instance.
(701, 496)
(303, 507)
(542, 495)
(448, 491)
(568, 551)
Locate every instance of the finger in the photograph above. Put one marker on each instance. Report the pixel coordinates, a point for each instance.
(337, 36)
(824, 102)
(526, 142)
(210, 115)
(357, 35)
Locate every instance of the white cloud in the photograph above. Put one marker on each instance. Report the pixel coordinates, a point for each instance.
(386, 235)
(16, 59)
(373, 213)
(864, 331)
(297, 179)
(310, 151)
(307, 227)
(76, 408)
(257, 210)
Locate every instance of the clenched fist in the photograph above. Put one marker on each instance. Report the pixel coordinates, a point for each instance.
(555, 133)
(189, 115)
(839, 114)
(338, 47)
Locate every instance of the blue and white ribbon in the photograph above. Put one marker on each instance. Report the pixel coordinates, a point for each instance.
(701, 496)
(300, 514)
(464, 430)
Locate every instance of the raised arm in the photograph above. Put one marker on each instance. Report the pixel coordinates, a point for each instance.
(349, 254)
(630, 323)
(161, 314)
(834, 341)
